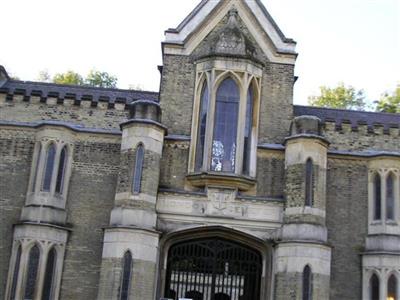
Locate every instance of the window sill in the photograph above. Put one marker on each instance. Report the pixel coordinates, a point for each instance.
(201, 179)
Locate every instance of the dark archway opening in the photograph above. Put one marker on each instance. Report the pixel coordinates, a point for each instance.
(213, 269)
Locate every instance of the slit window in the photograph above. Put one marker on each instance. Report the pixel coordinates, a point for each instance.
(32, 273)
(307, 283)
(309, 183)
(61, 170)
(48, 171)
(374, 287)
(49, 275)
(377, 197)
(15, 274)
(392, 288)
(126, 276)
(390, 197)
(137, 175)
(202, 127)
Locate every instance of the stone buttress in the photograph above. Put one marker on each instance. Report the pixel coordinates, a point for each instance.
(133, 218)
(303, 240)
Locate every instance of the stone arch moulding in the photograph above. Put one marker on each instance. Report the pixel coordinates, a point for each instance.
(229, 234)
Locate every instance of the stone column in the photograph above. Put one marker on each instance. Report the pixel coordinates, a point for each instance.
(133, 218)
(303, 240)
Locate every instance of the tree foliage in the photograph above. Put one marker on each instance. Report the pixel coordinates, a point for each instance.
(390, 102)
(101, 79)
(69, 77)
(94, 78)
(341, 96)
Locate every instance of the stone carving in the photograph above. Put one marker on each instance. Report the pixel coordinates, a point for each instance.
(231, 40)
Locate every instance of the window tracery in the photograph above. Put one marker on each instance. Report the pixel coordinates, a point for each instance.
(225, 118)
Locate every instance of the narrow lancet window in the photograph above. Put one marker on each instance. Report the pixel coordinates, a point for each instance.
(126, 276)
(247, 131)
(137, 174)
(390, 197)
(61, 170)
(49, 275)
(309, 197)
(377, 197)
(37, 165)
(48, 170)
(392, 288)
(31, 275)
(307, 283)
(374, 287)
(223, 156)
(201, 132)
(15, 274)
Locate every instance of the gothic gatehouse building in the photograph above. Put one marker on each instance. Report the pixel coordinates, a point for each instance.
(215, 188)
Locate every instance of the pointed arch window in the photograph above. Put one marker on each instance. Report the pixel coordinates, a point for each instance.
(307, 283)
(377, 197)
(48, 170)
(31, 275)
(374, 287)
(126, 276)
(49, 275)
(61, 170)
(201, 134)
(223, 156)
(309, 196)
(392, 288)
(390, 197)
(15, 274)
(248, 130)
(137, 175)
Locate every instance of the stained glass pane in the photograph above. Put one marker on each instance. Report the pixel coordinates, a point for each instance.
(15, 275)
(307, 283)
(48, 171)
(392, 288)
(33, 264)
(390, 197)
(377, 197)
(137, 176)
(223, 156)
(309, 183)
(247, 131)
(49, 275)
(202, 127)
(374, 287)
(61, 170)
(126, 276)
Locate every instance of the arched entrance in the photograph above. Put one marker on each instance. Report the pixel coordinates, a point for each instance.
(213, 268)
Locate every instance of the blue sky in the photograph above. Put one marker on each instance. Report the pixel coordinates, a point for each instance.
(353, 41)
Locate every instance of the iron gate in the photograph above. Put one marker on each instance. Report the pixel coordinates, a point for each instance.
(213, 269)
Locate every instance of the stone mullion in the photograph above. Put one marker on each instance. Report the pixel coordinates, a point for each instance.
(196, 120)
(241, 122)
(210, 122)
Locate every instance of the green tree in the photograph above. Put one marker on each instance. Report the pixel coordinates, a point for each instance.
(101, 79)
(69, 77)
(390, 102)
(341, 96)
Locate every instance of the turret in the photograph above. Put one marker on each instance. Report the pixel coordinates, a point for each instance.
(131, 242)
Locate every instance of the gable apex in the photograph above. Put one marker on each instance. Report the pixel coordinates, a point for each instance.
(208, 13)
